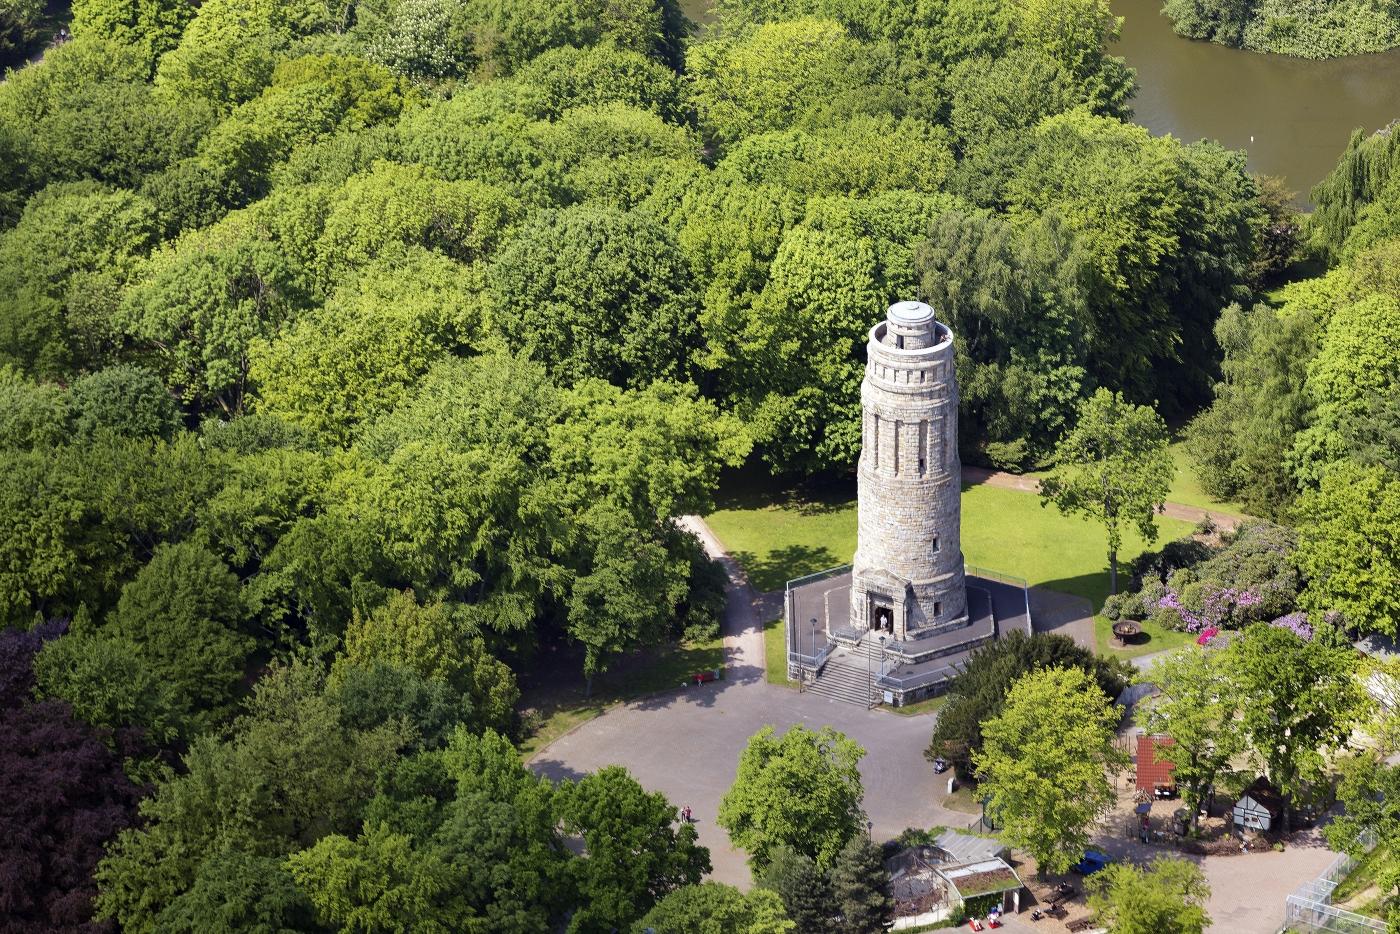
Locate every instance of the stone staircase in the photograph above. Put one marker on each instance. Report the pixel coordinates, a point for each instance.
(845, 677)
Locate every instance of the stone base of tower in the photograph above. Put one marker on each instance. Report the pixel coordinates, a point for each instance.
(907, 610)
(829, 657)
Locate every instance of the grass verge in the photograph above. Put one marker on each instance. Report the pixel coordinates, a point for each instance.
(775, 654)
(559, 705)
(1154, 638)
(918, 708)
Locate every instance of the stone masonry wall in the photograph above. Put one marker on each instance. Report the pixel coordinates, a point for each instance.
(910, 478)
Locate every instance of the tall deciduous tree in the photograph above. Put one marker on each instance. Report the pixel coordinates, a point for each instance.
(1349, 547)
(715, 908)
(1113, 467)
(802, 790)
(1198, 704)
(633, 854)
(1168, 897)
(804, 889)
(978, 693)
(1045, 764)
(1300, 699)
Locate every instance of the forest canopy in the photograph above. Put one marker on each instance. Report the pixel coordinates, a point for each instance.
(354, 358)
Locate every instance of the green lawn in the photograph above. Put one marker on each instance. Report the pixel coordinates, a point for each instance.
(561, 706)
(781, 534)
(775, 653)
(1186, 487)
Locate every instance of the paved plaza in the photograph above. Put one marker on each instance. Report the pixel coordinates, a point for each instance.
(686, 744)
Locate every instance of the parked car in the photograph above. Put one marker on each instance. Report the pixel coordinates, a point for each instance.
(1092, 862)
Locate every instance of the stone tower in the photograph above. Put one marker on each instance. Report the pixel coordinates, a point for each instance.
(907, 578)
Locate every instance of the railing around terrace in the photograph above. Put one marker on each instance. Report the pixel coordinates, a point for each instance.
(1014, 581)
(895, 682)
(805, 665)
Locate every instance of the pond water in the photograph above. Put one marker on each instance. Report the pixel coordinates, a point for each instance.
(1293, 116)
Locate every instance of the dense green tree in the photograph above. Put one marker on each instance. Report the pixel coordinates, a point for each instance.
(716, 908)
(85, 518)
(90, 115)
(1076, 34)
(430, 642)
(200, 304)
(1241, 443)
(1168, 897)
(126, 399)
(1357, 363)
(1114, 467)
(469, 842)
(801, 790)
(182, 612)
(1014, 296)
(594, 292)
(393, 205)
(152, 27)
(570, 77)
(1300, 703)
(1349, 547)
(1046, 762)
(1008, 93)
(236, 891)
(860, 887)
(978, 692)
(61, 270)
(19, 23)
(1361, 175)
(812, 320)
(805, 890)
(765, 79)
(633, 854)
(358, 356)
(1370, 793)
(289, 774)
(1220, 21)
(109, 683)
(1198, 705)
(32, 414)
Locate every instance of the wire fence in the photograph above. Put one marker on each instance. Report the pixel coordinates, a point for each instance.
(1310, 906)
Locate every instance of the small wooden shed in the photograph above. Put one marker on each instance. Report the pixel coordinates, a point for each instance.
(1260, 807)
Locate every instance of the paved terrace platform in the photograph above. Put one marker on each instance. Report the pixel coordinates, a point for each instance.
(993, 606)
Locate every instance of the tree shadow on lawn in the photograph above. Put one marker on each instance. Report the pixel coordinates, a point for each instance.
(751, 487)
(781, 565)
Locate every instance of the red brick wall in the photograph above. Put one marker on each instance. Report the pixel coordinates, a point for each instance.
(1150, 770)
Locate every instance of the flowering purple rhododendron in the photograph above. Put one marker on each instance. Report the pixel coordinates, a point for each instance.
(1296, 623)
(1221, 606)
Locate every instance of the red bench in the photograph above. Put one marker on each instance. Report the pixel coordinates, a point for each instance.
(703, 677)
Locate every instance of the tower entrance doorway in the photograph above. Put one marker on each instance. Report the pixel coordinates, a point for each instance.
(882, 619)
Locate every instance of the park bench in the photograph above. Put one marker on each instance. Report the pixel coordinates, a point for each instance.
(1057, 912)
(1080, 924)
(703, 677)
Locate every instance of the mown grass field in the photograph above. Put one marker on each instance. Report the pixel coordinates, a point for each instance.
(781, 533)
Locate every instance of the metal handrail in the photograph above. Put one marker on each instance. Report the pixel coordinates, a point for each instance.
(1012, 579)
(817, 575)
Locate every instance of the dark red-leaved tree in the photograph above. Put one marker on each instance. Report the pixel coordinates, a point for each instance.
(63, 794)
